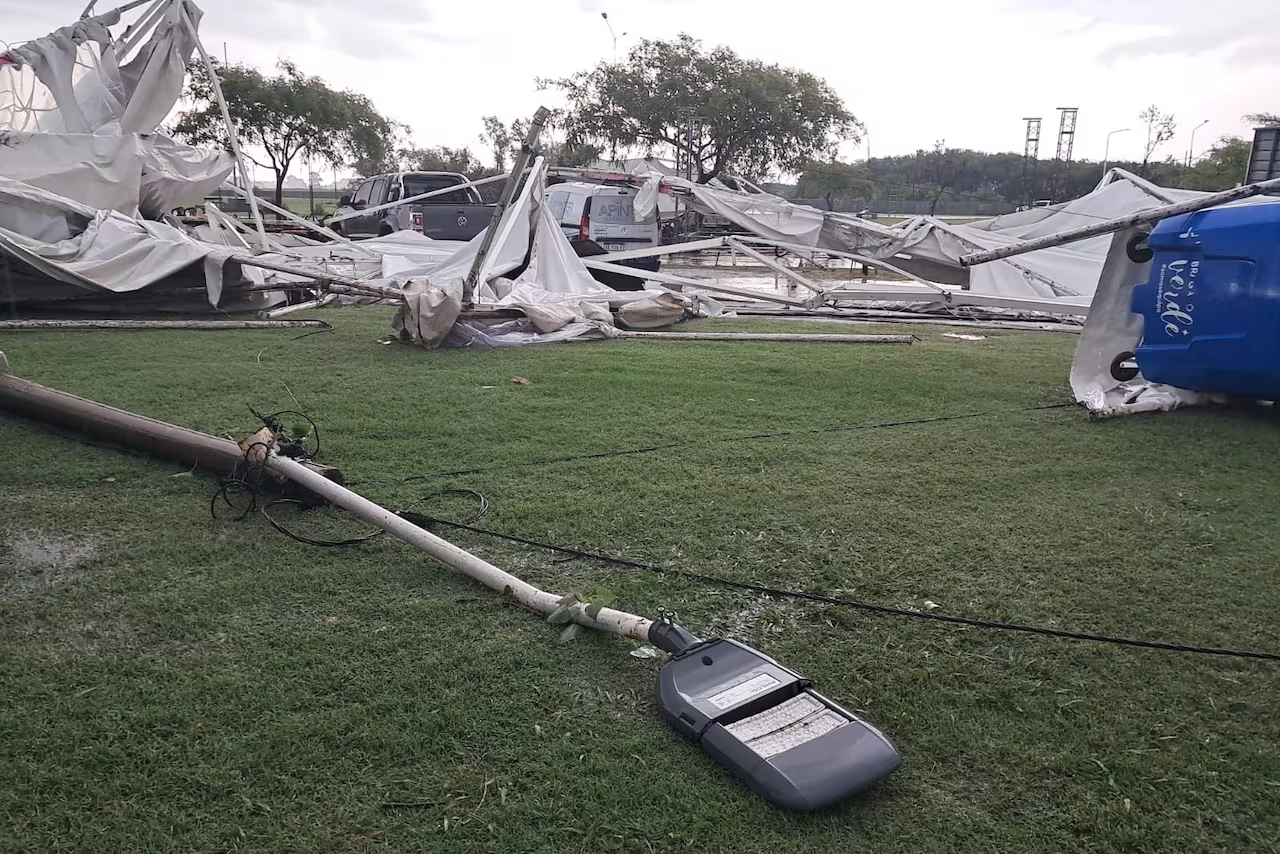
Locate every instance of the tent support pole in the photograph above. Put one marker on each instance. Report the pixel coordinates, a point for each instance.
(305, 223)
(452, 188)
(1113, 225)
(226, 118)
(775, 266)
(504, 201)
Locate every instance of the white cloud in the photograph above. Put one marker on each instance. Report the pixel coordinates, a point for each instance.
(964, 71)
(1244, 31)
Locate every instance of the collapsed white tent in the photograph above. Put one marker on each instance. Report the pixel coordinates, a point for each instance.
(82, 163)
(81, 111)
(1059, 279)
(530, 268)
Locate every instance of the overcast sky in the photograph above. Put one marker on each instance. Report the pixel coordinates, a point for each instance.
(965, 71)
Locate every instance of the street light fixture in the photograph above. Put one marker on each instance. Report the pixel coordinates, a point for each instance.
(616, 36)
(1106, 157)
(1191, 148)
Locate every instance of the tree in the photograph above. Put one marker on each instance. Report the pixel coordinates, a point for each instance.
(441, 159)
(499, 139)
(833, 180)
(746, 116)
(1160, 128)
(1222, 167)
(504, 140)
(285, 116)
(1263, 119)
(940, 169)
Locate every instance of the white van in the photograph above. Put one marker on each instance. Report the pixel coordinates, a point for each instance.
(604, 215)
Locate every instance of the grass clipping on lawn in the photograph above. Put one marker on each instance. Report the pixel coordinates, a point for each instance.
(170, 683)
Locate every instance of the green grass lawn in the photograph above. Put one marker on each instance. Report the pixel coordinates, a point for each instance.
(171, 683)
(302, 206)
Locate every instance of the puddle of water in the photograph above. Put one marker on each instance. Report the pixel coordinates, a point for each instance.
(32, 562)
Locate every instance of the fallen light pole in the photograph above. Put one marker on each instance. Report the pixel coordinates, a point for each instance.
(126, 429)
(754, 716)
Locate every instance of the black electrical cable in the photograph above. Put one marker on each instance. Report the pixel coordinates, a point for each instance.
(353, 541)
(251, 485)
(481, 511)
(315, 431)
(424, 521)
(782, 434)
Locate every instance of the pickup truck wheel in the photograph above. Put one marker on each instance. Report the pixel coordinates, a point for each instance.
(384, 230)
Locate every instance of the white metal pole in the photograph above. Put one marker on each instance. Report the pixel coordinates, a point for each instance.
(319, 229)
(135, 31)
(226, 118)
(775, 266)
(398, 202)
(1106, 155)
(481, 262)
(800, 338)
(539, 601)
(1111, 225)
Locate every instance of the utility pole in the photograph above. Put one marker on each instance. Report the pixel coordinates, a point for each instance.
(616, 36)
(1066, 145)
(1030, 157)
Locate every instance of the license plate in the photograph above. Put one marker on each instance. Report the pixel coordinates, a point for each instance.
(614, 247)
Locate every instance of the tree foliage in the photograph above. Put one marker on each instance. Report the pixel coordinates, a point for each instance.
(831, 180)
(748, 117)
(504, 140)
(934, 176)
(1263, 119)
(1222, 167)
(279, 118)
(441, 159)
(1160, 129)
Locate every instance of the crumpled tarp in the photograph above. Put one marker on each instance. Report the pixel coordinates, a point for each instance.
(72, 80)
(931, 247)
(132, 174)
(101, 250)
(548, 276)
(79, 114)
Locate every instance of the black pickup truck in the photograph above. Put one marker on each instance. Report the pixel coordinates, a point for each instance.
(458, 215)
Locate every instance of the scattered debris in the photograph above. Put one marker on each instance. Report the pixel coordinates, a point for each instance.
(964, 337)
(520, 381)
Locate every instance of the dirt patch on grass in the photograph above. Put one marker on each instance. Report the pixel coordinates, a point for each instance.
(33, 561)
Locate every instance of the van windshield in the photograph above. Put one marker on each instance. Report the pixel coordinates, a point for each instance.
(416, 185)
(613, 210)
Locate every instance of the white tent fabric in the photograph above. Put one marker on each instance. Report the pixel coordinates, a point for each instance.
(932, 248)
(79, 112)
(131, 173)
(549, 289)
(100, 250)
(72, 80)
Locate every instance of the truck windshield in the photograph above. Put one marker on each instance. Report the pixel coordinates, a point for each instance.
(416, 185)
